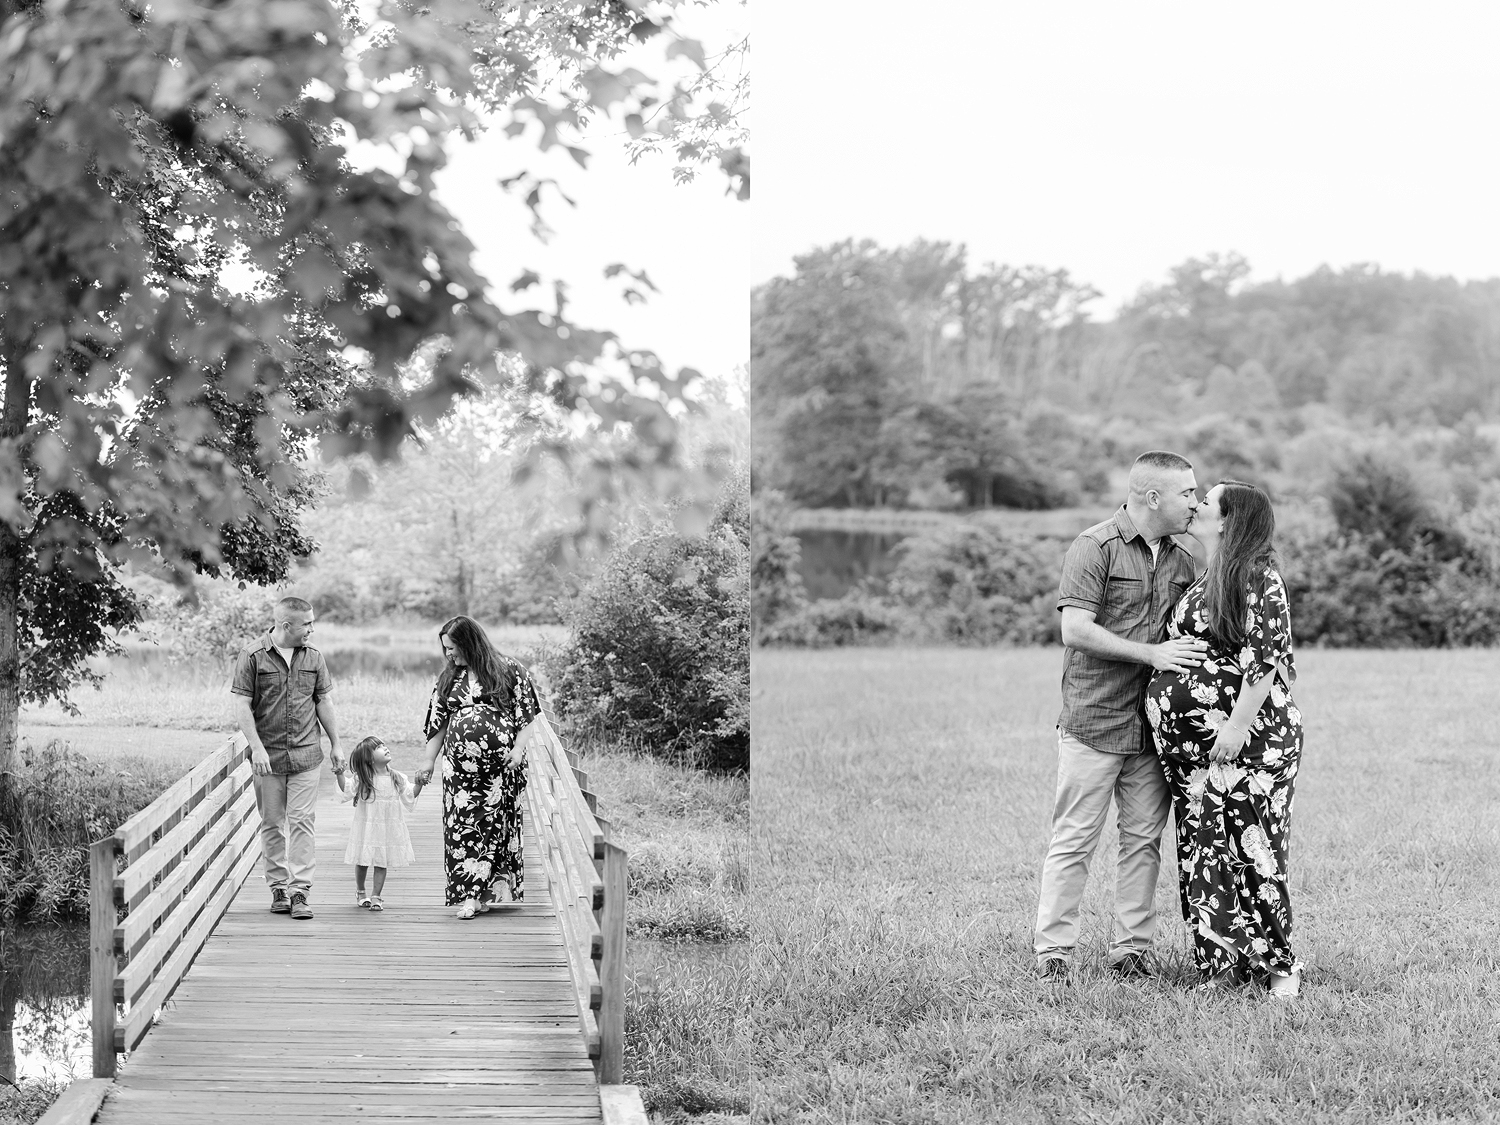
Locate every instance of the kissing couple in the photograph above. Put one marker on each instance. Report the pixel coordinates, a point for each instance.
(1176, 697)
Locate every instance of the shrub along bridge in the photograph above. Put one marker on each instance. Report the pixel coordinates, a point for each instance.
(231, 1013)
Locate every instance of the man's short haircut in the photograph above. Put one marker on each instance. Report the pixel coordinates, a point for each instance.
(1150, 470)
(1161, 461)
(292, 605)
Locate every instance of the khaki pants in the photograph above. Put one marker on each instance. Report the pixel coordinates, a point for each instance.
(287, 802)
(1086, 779)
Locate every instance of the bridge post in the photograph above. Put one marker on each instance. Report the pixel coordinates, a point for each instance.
(612, 968)
(102, 963)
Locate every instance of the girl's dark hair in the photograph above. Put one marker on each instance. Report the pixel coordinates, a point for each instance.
(364, 769)
(1244, 549)
(496, 678)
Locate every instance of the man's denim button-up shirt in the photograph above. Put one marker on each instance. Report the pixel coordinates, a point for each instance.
(1110, 572)
(285, 702)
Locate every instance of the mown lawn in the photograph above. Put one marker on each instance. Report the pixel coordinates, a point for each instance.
(900, 814)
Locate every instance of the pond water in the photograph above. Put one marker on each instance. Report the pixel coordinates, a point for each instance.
(396, 662)
(835, 562)
(44, 1002)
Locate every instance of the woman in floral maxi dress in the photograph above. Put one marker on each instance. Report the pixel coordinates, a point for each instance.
(481, 706)
(1230, 738)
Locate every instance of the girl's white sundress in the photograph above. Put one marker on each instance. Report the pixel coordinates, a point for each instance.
(378, 836)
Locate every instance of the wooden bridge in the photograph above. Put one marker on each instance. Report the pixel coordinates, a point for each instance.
(226, 1012)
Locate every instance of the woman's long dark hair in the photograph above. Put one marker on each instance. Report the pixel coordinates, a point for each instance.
(494, 674)
(1249, 524)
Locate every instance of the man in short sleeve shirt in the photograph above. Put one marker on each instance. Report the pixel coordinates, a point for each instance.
(283, 685)
(1120, 580)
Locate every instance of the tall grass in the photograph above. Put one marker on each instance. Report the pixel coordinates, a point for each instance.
(900, 815)
(687, 975)
(55, 805)
(26, 1102)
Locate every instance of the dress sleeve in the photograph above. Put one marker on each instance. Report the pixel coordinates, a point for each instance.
(527, 707)
(406, 789)
(1268, 627)
(437, 713)
(1084, 573)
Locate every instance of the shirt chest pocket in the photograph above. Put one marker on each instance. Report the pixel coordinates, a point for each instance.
(304, 681)
(1124, 597)
(1175, 589)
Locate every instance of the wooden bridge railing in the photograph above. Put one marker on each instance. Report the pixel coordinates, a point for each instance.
(158, 886)
(586, 875)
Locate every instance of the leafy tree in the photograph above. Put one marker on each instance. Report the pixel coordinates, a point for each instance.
(152, 414)
(1378, 499)
(827, 345)
(446, 522)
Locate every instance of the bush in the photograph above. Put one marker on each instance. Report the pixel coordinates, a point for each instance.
(335, 599)
(214, 626)
(51, 810)
(776, 585)
(858, 618)
(971, 584)
(1355, 589)
(1374, 568)
(659, 652)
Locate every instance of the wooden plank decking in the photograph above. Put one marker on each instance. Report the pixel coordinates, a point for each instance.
(407, 1014)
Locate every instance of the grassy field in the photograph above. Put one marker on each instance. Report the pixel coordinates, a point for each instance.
(687, 834)
(900, 815)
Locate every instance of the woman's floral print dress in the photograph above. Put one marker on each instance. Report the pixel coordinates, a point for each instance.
(481, 790)
(1233, 818)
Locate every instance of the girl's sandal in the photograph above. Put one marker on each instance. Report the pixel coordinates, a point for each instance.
(468, 909)
(361, 899)
(376, 904)
(1287, 987)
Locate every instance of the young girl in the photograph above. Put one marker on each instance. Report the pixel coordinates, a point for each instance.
(378, 837)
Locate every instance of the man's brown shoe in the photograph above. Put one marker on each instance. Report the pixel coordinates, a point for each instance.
(1132, 965)
(300, 909)
(279, 904)
(1054, 970)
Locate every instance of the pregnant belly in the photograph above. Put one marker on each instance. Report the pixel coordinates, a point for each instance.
(477, 732)
(1185, 709)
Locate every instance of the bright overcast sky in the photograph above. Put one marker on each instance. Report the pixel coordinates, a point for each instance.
(1115, 140)
(692, 240)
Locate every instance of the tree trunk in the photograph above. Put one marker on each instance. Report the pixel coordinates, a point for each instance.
(462, 583)
(10, 995)
(12, 425)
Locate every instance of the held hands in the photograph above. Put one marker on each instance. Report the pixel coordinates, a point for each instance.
(1228, 743)
(1178, 654)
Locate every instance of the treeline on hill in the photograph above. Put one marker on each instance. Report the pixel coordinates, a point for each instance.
(1366, 403)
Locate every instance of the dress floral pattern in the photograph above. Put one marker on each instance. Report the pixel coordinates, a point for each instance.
(1233, 818)
(481, 787)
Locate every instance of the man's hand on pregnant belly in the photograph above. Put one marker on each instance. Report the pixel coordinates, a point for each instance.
(1178, 654)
